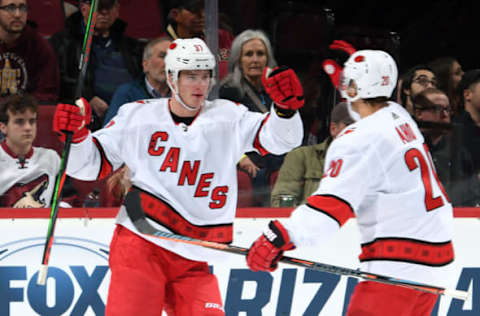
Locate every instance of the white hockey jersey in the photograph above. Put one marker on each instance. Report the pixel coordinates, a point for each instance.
(187, 174)
(380, 171)
(27, 182)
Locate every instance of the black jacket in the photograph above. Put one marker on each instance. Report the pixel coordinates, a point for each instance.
(469, 136)
(455, 170)
(68, 47)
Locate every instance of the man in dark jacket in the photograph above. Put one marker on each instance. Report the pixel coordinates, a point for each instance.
(153, 84)
(467, 122)
(453, 161)
(27, 61)
(115, 58)
(186, 19)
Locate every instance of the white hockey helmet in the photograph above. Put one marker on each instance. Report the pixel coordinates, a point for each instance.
(188, 54)
(368, 74)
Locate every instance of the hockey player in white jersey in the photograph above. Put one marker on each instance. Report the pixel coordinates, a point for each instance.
(182, 154)
(378, 170)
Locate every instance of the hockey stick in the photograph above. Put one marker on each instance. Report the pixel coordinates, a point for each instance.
(136, 214)
(84, 58)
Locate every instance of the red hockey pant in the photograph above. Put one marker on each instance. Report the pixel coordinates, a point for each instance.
(376, 299)
(145, 279)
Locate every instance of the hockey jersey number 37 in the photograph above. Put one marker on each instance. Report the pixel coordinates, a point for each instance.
(187, 174)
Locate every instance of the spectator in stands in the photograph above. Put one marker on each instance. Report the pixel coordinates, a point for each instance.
(452, 161)
(27, 61)
(28, 173)
(186, 19)
(153, 84)
(251, 53)
(115, 58)
(468, 119)
(448, 72)
(302, 169)
(414, 81)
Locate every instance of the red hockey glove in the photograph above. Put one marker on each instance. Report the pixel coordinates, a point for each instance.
(284, 88)
(267, 250)
(331, 66)
(72, 118)
(333, 70)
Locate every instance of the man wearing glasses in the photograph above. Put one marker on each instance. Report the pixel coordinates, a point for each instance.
(27, 61)
(434, 106)
(414, 81)
(452, 160)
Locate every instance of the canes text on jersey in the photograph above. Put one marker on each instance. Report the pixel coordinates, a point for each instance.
(188, 171)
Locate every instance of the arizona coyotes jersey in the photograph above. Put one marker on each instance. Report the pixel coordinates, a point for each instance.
(186, 174)
(380, 171)
(27, 182)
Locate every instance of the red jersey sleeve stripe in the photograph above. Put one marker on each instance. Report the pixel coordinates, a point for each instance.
(332, 206)
(256, 143)
(105, 165)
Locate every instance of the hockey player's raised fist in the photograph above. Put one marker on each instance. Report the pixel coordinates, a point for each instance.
(284, 88)
(267, 250)
(339, 53)
(74, 119)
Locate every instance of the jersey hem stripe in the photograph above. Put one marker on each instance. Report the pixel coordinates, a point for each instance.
(408, 250)
(165, 215)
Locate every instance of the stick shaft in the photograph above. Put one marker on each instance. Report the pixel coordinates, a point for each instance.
(66, 148)
(463, 295)
(137, 215)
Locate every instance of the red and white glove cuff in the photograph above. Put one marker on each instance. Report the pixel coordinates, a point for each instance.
(333, 70)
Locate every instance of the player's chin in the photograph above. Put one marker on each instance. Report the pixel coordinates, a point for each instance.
(197, 100)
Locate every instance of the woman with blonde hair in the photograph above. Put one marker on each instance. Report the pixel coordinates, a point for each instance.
(251, 53)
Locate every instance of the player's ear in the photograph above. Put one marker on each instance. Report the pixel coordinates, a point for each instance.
(466, 94)
(333, 129)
